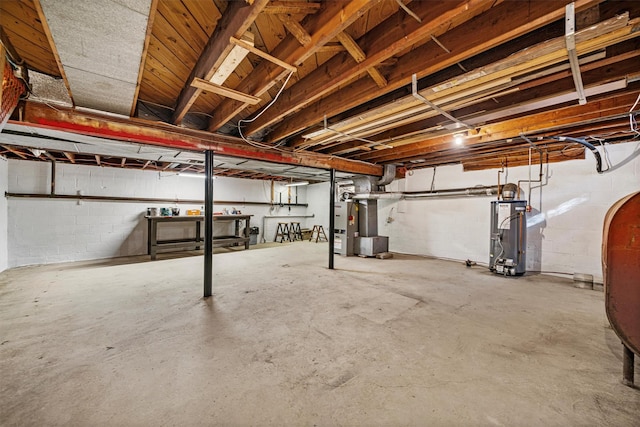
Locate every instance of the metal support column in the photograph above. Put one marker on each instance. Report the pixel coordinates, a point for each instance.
(332, 211)
(627, 366)
(208, 224)
(53, 177)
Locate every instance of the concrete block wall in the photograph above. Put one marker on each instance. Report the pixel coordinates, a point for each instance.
(269, 216)
(318, 199)
(54, 230)
(4, 186)
(564, 229)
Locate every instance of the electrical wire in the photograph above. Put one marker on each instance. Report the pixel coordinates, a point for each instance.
(602, 142)
(499, 233)
(16, 66)
(632, 118)
(591, 147)
(275, 98)
(499, 240)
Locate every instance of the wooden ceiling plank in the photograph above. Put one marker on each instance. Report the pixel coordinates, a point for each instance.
(386, 40)
(147, 132)
(269, 32)
(295, 29)
(262, 54)
(498, 25)
(331, 48)
(224, 91)
(158, 69)
(14, 151)
(351, 46)
(36, 57)
(323, 27)
(483, 152)
(475, 85)
(182, 21)
(143, 56)
(22, 20)
(471, 93)
(358, 55)
(205, 13)
(156, 91)
(237, 19)
(292, 7)
(447, 152)
(377, 77)
(551, 157)
(583, 69)
(596, 73)
(165, 37)
(70, 156)
(602, 109)
(558, 119)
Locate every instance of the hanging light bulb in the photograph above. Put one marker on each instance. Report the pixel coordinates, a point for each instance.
(458, 138)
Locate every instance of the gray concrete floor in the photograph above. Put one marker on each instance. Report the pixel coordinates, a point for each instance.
(285, 341)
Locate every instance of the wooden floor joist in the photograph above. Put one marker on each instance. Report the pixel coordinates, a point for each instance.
(323, 27)
(496, 26)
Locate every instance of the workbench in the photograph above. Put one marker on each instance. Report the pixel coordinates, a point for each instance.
(197, 241)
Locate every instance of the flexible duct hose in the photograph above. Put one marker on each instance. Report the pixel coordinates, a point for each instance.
(581, 141)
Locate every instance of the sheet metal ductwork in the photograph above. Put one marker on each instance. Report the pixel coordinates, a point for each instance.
(388, 176)
(484, 190)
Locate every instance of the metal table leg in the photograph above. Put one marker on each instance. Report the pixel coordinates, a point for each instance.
(198, 237)
(246, 233)
(153, 238)
(627, 366)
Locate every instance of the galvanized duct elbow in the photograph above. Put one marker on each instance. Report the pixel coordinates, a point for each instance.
(388, 176)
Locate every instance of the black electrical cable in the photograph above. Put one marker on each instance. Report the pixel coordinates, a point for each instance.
(591, 147)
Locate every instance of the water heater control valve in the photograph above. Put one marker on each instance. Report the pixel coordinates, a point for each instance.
(505, 266)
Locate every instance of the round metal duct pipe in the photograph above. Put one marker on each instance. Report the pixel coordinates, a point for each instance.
(485, 190)
(376, 196)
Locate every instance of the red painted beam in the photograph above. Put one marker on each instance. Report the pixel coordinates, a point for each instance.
(159, 134)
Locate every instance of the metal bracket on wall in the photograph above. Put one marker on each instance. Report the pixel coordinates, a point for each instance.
(570, 40)
(416, 94)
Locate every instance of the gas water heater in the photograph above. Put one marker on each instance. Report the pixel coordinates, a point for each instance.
(508, 237)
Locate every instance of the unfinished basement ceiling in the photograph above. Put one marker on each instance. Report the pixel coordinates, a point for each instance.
(100, 44)
(32, 143)
(487, 73)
